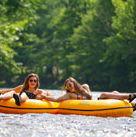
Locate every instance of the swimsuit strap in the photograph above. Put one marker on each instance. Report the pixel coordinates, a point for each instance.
(30, 95)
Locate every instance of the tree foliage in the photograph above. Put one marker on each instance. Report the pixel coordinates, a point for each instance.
(91, 40)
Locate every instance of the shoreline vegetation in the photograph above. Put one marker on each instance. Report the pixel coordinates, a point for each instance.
(92, 40)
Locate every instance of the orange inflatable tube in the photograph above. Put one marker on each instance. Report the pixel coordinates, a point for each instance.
(30, 106)
(102, 108)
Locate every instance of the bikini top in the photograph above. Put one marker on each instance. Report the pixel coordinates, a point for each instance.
(79, 96)
(30, 94)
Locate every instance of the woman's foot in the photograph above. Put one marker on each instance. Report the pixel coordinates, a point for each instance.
(17, 100)
(134, 107)
(132, 97)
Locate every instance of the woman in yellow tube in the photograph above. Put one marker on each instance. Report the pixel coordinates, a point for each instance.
(30, 89)
(74, 90)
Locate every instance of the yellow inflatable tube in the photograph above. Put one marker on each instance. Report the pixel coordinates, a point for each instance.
(30, 106)
(102, 108)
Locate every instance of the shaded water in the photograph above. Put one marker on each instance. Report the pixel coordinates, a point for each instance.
(41, 125)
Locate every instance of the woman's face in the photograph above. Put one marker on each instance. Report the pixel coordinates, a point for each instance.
(32, 82)
(70, 86)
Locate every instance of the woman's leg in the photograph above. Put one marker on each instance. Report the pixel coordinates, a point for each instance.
(23, 97)
(114, 95)
(132, 96)
(7, 95)
(117, 95)
(20, 98)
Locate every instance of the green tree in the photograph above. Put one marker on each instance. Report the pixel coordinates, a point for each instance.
(88, 44)
(121, 47)
(14, 17)
(48, 40)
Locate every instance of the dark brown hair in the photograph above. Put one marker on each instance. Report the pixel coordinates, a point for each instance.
(26, 82)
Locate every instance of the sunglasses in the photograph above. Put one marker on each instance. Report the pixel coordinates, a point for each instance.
(33, 80)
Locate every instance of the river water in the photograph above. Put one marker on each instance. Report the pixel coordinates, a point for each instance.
(50, 125)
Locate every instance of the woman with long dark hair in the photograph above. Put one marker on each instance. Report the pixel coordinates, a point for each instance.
(74, 90)
(29, 90)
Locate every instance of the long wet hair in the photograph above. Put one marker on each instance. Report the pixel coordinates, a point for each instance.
(78, 87)
(26, 82)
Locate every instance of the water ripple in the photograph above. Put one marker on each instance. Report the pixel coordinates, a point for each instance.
(49, 125)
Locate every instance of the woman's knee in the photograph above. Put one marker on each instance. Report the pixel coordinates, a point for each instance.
(103, 95)
(115, 92)
(23, 98)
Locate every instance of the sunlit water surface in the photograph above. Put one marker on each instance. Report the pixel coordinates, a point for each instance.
(50, 125)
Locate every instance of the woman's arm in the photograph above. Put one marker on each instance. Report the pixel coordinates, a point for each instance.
(49, 97)
(2, 91)
(16, 89)
(63, 97)
(41, 91)
(85, 90)
(43, 94)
